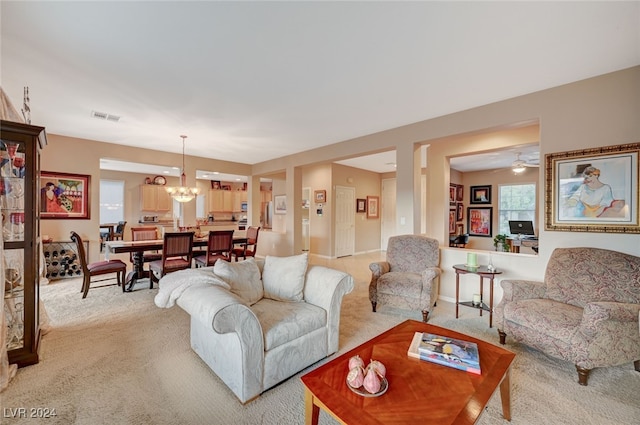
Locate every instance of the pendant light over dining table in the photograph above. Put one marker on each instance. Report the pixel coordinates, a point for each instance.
(183, 193)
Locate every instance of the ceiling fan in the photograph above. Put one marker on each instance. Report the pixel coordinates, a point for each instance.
(519, 165)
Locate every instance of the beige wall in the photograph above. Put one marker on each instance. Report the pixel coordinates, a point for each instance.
(586, 114)
(318, 177)
(366, 183)
(591, 113)
(80, 156)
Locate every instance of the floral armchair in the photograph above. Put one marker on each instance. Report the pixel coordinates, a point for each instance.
(586, 311)
(410, 277)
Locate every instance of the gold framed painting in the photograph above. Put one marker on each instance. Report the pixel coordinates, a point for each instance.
(593, 190)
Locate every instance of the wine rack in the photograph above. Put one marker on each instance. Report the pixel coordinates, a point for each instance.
(61, 258)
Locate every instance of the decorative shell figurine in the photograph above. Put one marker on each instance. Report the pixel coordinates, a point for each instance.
(370, 377)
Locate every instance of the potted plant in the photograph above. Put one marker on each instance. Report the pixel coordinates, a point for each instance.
(500, 243)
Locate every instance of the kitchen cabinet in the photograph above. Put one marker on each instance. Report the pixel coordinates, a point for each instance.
(239, 196)
(220, 201)
(155, 198)
(20, 147)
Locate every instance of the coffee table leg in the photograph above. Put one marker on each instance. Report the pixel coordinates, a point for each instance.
(311, 410)
(505, 396)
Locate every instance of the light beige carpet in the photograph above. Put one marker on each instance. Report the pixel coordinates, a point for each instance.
(116, 358)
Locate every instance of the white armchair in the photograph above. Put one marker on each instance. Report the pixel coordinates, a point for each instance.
(265, 322)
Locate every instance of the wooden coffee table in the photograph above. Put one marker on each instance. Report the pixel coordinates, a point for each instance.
(419, 392)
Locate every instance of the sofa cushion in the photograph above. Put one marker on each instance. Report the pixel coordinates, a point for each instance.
(579, 276)
(284, 322)
(243, 277)
(283, 277)
(551, 320)
(401, 284)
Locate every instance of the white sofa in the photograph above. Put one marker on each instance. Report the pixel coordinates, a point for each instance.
(258, 322)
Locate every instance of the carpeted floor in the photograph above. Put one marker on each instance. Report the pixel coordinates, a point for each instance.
(116, 358)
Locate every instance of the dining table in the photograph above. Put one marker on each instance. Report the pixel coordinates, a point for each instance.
(138, 248)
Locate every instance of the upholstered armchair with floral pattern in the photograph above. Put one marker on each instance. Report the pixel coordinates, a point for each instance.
(585, 311)
(410, 277)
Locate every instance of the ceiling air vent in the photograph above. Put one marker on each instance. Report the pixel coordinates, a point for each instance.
(105, 116)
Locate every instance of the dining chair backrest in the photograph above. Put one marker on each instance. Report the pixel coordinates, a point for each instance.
(82, 255)
(144, 233)
(248, 248)
(219, 247)
(252, 235)
(220, 242)
(177, 244)
(177, 253)
(119, 232)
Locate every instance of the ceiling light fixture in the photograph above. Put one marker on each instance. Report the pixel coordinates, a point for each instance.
(519, 169)
(183, 193)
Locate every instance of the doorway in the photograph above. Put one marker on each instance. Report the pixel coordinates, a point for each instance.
(345, 221)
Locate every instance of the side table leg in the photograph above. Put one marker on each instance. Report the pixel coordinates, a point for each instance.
(481, 297)
(457, 291)
(491, 302)
(505, 396)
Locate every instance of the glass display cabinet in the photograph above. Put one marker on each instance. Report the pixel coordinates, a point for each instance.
(20, 146)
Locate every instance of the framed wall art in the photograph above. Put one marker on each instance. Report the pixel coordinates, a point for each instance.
(373, 206)
(452, 221)
(64, 195)
(459, 211)
(479, 221)
(593, 190)
(361, 205)
(452, 194)
(480, 194)
(320, 196)
(459, 193)
(280, 204)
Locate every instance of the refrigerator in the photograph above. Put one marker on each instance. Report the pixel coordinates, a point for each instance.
(267, 215)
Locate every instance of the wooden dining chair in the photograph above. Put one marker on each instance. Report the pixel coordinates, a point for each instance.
(177, 252)
(248, 248)
(118, 233)
(98, 268)
(219, 247)
(145, 233)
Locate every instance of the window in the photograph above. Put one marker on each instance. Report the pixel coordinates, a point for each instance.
(111, 201)
(517, 202)
(200, 212)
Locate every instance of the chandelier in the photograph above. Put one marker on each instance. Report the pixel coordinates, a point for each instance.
(183, 193)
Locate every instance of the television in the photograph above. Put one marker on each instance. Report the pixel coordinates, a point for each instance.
(524, 228)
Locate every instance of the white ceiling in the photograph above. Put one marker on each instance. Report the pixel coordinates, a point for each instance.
(253, 81)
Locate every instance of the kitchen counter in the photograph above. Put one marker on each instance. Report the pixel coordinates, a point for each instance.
(166, 223)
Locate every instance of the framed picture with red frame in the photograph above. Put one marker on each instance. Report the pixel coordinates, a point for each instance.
(64, 195)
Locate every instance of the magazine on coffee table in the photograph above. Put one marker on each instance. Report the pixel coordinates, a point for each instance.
(445, 351)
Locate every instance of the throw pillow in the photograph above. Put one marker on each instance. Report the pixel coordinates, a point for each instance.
(243, 277)
(283, 277)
